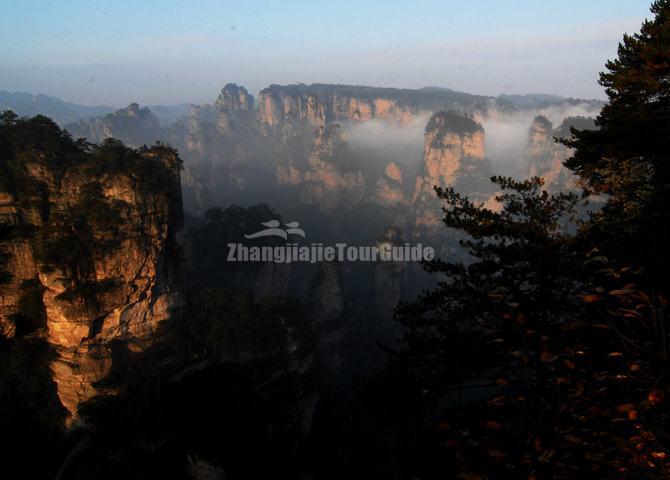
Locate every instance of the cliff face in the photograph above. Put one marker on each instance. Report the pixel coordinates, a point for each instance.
(327, 180)
(93, 251)
(453, 156)
(389, 187)
(544, 156)
(321, 104)
(234, 98)
(233, 106)
(216, 142)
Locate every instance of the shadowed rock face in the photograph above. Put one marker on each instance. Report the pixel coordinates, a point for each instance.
(234, 98)
(94, 254)
(544, 156)
(134, 125)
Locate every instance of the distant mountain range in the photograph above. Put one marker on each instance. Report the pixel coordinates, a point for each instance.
(62, 112)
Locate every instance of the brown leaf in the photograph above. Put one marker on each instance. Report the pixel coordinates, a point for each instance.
(625, 407)
(569, 365)
(444, 426)
(496, 453)
(493, 425)
(547, 357)
(655, 396)
(622, 292)
(573, 439)
(628, 313)
(578, 391)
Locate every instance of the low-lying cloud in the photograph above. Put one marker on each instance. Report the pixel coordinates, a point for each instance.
(507, 134)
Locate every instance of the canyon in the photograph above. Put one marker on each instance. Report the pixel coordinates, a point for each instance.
(117, 252)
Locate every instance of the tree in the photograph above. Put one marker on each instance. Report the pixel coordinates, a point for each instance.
(628, 156)
(522, 266)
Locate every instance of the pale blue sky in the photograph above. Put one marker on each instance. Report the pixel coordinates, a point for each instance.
(171, 51)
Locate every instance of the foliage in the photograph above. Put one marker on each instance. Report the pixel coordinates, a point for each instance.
(568, 350)
(568, 320)
(520, 257)
(628, 157)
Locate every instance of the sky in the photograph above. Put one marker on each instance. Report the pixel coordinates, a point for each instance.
(175, 51)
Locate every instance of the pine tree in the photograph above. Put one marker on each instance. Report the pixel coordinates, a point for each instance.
(628, 157)
(522, 261)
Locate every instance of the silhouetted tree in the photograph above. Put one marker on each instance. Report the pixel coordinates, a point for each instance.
(522, 264)
(628, 157)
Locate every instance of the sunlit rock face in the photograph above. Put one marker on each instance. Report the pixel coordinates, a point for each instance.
(236, 146)
(95, 255)
(453, 156)
(544, 156)
(389, 187)
(328, 181)
(321, 104)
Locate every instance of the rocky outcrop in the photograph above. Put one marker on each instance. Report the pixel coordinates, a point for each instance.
(389, 187)
(453, 156)
(233, 107)
(544, 156)
(216, 142)
(93, 252)
(328, 181)
(133, 125)
(234, 98)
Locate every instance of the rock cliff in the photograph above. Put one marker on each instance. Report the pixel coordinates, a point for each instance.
(453, 156)
(93, 249)
(544, 156)
(133, 125)
(320, 104)
(328, 181)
